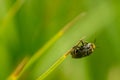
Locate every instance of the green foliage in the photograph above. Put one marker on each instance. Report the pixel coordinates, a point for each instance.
(27, 26)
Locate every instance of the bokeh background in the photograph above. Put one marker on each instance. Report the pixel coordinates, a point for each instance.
(26, 25)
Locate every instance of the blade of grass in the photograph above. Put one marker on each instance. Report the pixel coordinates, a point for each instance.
(56, 64)
(37, 55)
(11, 13)
(18, 69)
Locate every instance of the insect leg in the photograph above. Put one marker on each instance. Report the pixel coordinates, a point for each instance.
(82, 42)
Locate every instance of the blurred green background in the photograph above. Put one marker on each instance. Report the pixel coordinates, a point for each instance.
(26, 25)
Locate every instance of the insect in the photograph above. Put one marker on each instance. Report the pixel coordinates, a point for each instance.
(83, 50)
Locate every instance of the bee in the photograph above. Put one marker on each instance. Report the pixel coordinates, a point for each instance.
(83, 50)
